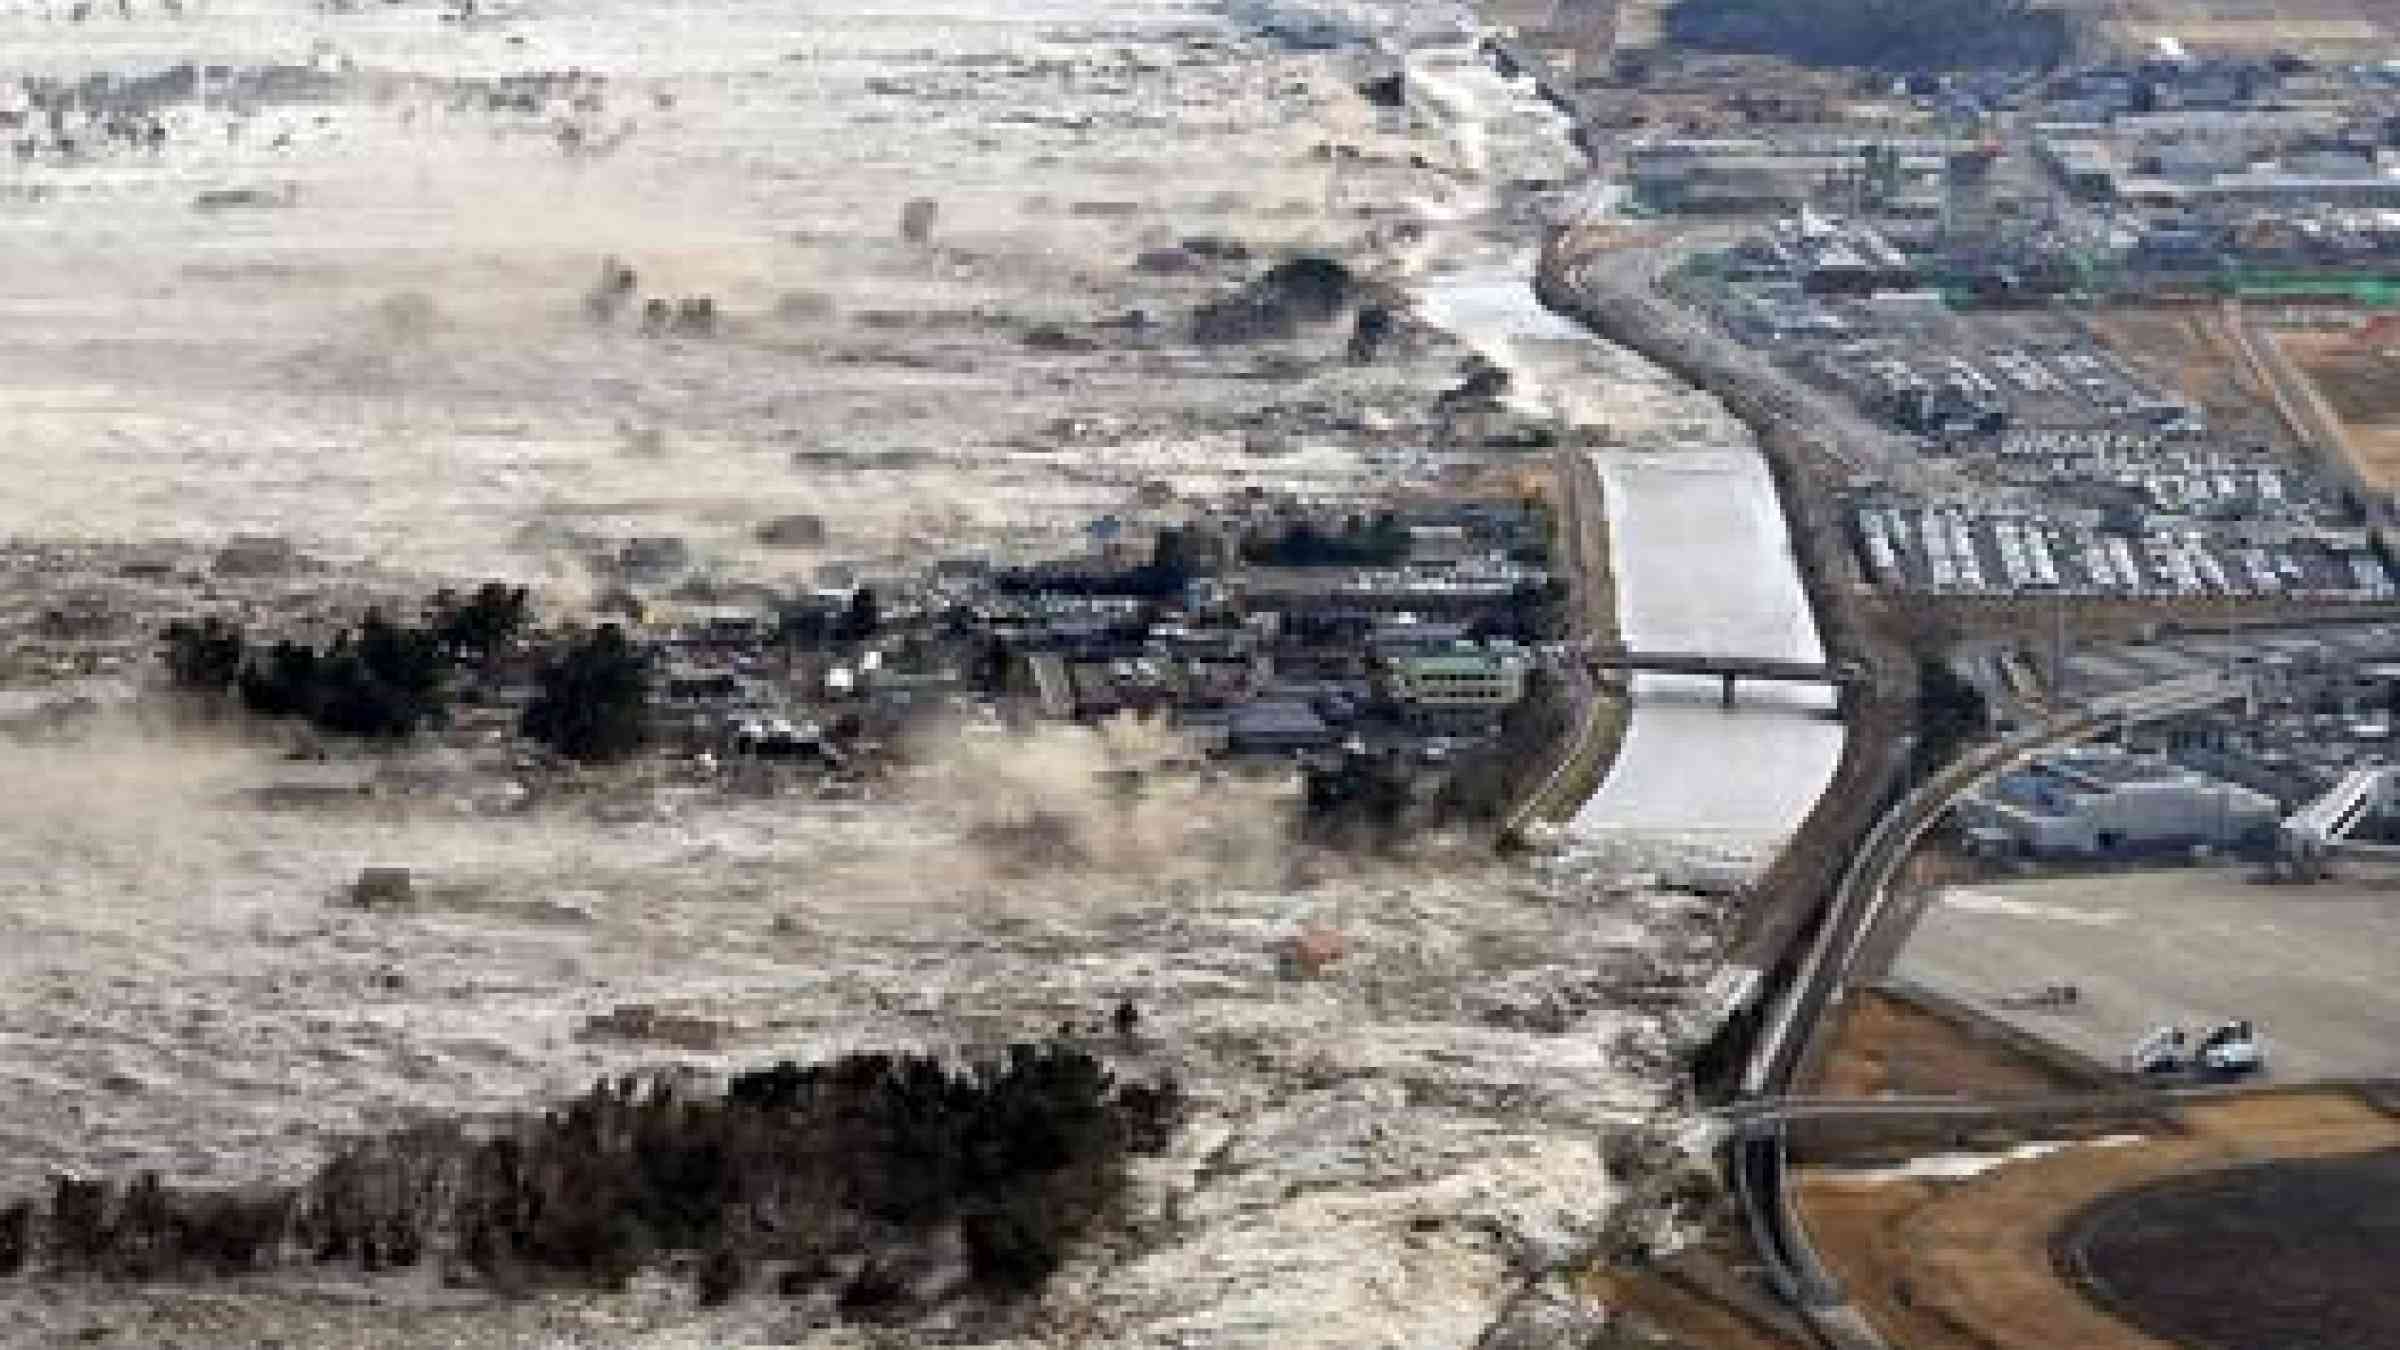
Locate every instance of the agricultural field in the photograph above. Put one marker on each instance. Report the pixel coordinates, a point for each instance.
(1969, 1252)
(2358, 374)
(2189, 354)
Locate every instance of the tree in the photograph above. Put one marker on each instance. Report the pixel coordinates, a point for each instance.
(805, 624)
(284, 685)
(594, 698)
(381, 681)
(406, 662)
(205, 656)
(863, 619)
(1174, 560)
(994, 662)
(1950, 713)
(1358, 796)
(478, 627)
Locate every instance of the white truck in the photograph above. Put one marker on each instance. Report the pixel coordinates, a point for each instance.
(2229, 1050)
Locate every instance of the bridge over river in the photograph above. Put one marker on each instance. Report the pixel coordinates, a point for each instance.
(1729, 669)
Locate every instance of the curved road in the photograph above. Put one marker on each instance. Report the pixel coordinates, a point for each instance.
(1793, 1025)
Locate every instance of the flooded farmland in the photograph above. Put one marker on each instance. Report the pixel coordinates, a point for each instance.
(326, 274)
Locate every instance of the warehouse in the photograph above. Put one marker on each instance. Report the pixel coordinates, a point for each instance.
(2106, 802)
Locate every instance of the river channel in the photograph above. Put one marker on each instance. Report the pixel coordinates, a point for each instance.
(1702, 564)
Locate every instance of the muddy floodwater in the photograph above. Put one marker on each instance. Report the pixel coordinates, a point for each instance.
(326, 272)
(323, 271)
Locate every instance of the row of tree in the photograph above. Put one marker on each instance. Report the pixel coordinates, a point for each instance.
(850, 1175)
(384, 680)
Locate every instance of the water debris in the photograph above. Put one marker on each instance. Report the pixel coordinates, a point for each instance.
(1310, 953)
(219, 199)
(382, 888)
(643, 1022)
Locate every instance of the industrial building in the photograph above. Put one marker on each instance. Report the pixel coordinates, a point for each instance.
(1731, 174)
(2106, 802)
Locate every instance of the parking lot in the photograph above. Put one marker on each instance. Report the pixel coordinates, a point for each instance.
(2072, 468)
(2311, 965)
(1966, 549)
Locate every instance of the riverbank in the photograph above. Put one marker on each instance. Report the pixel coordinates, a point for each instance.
(1602, 711)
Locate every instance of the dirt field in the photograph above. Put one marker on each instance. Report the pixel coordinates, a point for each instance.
(1887, 1045)
(2187, 351)
(2360, 381)
(1656, 1299)
(2306, 1244)
(1967, 1265)
(2326, 28)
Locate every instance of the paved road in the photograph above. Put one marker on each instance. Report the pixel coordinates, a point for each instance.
(1793, 1025)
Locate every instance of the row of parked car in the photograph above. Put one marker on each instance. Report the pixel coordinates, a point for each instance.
(1958, 550)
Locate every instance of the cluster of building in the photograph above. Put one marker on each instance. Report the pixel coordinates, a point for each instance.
(2321, 705)
(1725, 175)
(2139, 176)
(2085, 478)
(2175, 131)
(1401, 630)
(1419, 654)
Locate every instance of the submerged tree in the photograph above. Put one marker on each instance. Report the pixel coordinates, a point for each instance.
(477, 627)
(204, 656)
(594, 698)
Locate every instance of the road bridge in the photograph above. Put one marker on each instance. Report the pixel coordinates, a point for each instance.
(1730, 669)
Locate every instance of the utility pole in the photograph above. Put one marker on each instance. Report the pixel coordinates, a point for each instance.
(2058, 650)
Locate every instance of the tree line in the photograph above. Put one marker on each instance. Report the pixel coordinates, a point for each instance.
(845, 1178)
(385, 680)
